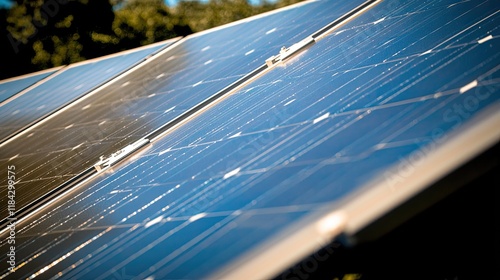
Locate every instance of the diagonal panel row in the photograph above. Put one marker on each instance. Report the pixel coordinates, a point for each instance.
(156, 92)
(10, 87)
(308, 133)
(66, 86)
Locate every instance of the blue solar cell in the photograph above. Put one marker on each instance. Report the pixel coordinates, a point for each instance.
(154, 94)
(69, 84)
(10, 87)
(308, 133)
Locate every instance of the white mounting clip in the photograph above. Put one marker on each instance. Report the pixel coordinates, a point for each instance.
(285, 52)
(105, 162)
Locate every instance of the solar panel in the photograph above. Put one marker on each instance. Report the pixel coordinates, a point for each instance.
(352, 125)
(155, 93)
(10, 87)
(65, 86)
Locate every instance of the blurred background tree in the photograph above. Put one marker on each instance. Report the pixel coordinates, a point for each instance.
(40, 34)
(142, 22)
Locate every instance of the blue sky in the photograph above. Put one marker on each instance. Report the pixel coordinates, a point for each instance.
(4, 3)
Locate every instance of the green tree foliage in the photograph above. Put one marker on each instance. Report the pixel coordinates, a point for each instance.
(142, 22)
(39, 34)
(54, 32)
(200, 16)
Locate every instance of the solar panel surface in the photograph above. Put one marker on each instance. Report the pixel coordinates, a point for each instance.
(67, 85)
(10, 87)
(308, 133)
(154, 94)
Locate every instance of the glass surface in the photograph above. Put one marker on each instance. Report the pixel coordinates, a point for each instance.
(9, 88)
(310, 132)
(159, 91)
(69, 84)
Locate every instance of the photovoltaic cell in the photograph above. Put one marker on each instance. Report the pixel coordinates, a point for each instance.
(69, 84)
(308, 133)
(10, 87)
(154, 94)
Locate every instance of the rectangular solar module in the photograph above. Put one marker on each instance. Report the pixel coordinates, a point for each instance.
(317, 144)
(155, 93)
(65, 86)
(12, 86)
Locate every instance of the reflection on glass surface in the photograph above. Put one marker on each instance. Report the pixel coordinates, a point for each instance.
(155, 93)
(10, 87)
(307, 133)
(69, 84)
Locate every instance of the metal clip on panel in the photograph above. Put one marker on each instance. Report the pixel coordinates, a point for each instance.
(286, 53)
(105, 162)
